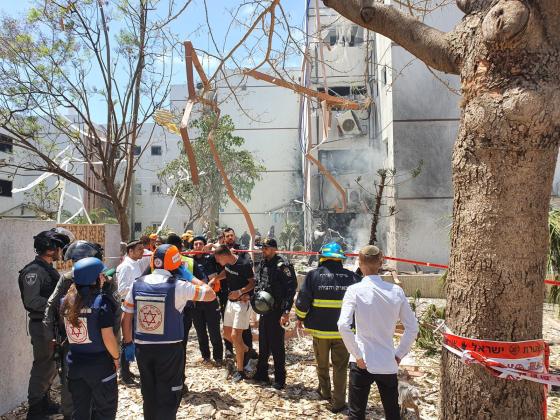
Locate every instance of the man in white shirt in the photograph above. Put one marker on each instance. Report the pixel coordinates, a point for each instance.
(127, 272)
(375, 306)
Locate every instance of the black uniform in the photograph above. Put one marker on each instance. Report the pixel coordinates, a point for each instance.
(37, 281)
(276, 277)
(214, 268)
(206, 317)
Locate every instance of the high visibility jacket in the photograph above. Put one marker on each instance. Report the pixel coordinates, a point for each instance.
(320, 298)
(188, 262)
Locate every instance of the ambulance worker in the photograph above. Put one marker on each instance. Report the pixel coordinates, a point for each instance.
(89, 317)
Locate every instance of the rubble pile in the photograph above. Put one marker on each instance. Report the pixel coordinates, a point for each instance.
(214, 396)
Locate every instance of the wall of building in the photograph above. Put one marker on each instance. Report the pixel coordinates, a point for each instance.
(15, 345)
(424, 116)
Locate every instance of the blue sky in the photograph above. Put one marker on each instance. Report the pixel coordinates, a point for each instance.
(192, 25)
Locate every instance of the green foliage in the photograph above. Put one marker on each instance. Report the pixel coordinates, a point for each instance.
(43, 201)
(427, 338)
(290, 236)
(554, 253)
(240, 166)
(165, 231)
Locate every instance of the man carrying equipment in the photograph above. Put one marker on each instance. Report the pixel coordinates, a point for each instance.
(155, 303)
(37, 281)
(318, 306)
(275, 288)
(237, 316)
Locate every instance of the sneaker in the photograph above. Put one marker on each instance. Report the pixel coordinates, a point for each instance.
(238, 376)
(219, 362)
(278, 385)
(204, 361)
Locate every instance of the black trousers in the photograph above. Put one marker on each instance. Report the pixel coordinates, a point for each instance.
(187, 324)
(358, 392)
(271, 341)
(247, 334)
(161, 379)
(206, 319)
(93, 388)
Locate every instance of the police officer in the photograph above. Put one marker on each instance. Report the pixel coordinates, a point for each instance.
(93, 357)
(318, 306)
(274, 296)
(155, 303)
(37, 281)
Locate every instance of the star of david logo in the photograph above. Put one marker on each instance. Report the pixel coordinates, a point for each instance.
(78, 334)
(463, 345)
(150, 317)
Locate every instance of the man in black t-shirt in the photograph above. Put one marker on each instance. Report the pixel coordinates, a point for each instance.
(240, 278)
(216, 270)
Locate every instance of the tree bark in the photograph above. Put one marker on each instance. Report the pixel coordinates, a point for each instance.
(503, 166)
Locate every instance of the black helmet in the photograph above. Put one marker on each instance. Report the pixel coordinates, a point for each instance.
(83, 249)
(262, 302)
(49, 240)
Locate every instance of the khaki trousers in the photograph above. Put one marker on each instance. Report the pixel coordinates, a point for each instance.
(339, 357)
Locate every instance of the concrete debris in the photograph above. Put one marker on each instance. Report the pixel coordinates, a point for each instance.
(210, 396)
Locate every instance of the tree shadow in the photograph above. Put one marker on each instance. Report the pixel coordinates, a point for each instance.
(215, 396)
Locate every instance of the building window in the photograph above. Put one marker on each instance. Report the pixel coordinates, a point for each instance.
(156, 151)
(156, 189)
(5, 188)
(137, 226)
(137, 150)
(6, 144)
(137, 189)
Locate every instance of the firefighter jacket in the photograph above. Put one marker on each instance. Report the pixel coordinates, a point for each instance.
(320, 298)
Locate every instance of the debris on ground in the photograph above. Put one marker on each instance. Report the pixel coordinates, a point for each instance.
(212, 396)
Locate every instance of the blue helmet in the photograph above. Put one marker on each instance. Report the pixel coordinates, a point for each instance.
(332, 250)
(87, 271)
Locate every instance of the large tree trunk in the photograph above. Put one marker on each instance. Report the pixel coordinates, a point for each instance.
(503, 164)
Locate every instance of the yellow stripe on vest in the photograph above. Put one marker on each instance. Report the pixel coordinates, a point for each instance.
(326, 303)
(332, 335)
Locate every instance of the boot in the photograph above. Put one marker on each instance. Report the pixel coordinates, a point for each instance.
(49, 406)
(35, 412)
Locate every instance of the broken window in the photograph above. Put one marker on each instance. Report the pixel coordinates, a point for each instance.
(156, 151)
(156, 189)
(137, 226)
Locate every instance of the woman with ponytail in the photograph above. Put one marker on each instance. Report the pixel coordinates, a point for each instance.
(93, 357)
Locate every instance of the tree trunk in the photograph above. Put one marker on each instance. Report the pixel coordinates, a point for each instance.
(122, 218)
(507, 54)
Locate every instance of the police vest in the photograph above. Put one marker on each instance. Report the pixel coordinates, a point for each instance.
(156, 318)
(86, 337)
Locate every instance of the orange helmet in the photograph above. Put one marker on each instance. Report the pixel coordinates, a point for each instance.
(166, 257)
(153, 236)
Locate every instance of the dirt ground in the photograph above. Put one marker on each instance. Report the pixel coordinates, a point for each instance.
(213, 396)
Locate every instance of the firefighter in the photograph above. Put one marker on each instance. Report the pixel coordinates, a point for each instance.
(93, 357)
(318, 306)
(155, 303)
(37, 280)
(275, 288)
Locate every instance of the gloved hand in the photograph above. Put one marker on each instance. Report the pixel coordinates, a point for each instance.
(129, 352)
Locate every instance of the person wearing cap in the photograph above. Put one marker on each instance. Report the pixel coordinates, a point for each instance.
(374, 307)
(276, 277)
(37, 281)
(206, 315)
(127, 272)
(155, 303)
(93, 356)
(318, 307)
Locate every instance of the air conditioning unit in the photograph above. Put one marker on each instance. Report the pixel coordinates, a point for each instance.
(348, 123)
